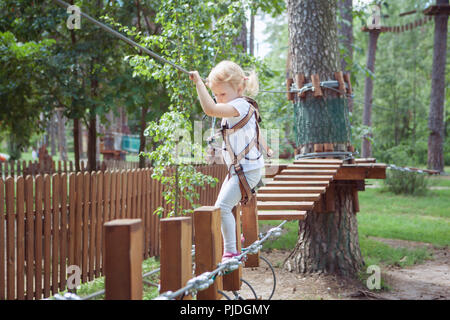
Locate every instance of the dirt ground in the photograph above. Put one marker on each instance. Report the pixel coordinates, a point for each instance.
(427, 281)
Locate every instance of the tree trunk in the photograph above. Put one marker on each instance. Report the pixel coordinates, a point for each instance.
(345, 32)
(62, 145)
(366, 147)
(328, 242)
(436, 115)
(252, 32)
(76, 143)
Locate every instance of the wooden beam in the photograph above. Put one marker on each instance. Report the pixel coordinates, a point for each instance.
(175, 254)
(232, 281)
(297, 183)
(304, 190)
(123, 259)
(208, 248)
(250, 230)
(314, 166)
(318, 161)
(361, 172)
(287, 197)
(303, 172)
(284, 205)
(302, 178)
(281, 215)
(316, 84)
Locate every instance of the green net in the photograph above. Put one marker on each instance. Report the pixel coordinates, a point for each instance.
(322, 120)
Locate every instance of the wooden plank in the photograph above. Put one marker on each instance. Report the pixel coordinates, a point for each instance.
(129, 194)
(79, 220)
(20, 237)
(314, 166)
(63, 233)
(10, 244)
(300, 184)
(232, 281)
(55, 232)
(47, 234)
(361, 172)
(302, 178)
(2, 238)
(287, 197)
(303, 190)
(85, 232)
(208, 248)
(318, 161)
(99, 225)
(92, 222)
(271, 170)
(316, 84)
(302, 172)
(175, 256)
(318, 147)
(39, 193)
(123, 259)
(250, 230)
(365, 160)
(71, 220)
(123, 196)
(285, 205)
(281, 215)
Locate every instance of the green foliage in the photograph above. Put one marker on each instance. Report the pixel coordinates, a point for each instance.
(20, 84)
(172, 135)
(404, 182)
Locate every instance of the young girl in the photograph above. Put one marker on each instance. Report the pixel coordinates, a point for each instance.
(229, 83)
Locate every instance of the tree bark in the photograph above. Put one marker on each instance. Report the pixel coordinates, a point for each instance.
(366, 147)
(62, 145)
(328, 242)
(345, 32)
(437, 96)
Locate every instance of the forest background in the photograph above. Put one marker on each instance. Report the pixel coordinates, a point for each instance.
(59, 85)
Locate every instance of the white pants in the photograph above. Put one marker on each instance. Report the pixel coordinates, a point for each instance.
(229, 196)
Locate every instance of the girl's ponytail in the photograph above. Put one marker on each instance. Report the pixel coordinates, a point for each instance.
(251, 85)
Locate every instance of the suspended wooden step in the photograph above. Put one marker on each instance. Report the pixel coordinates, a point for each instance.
(281, 215)
(307, 190)
(302, 178)
(314, 166)
(318, 161)
(365, 160)
(288, 197)
(297, 183)
(284, 205)
(307, 172)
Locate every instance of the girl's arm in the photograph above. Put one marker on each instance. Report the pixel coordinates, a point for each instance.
(212, 109)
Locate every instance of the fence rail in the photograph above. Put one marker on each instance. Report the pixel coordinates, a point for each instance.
(24, 168)
(51, 221)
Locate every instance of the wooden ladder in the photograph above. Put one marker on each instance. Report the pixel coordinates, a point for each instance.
(296, 189)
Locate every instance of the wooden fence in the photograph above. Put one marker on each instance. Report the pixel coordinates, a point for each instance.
(49, 222)
(24, 168)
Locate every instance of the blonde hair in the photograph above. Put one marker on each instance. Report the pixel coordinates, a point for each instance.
(230, 72)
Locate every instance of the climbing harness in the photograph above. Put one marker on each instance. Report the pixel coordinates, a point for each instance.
(225, 131)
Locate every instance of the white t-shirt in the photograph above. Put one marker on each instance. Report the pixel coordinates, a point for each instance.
(242, 137)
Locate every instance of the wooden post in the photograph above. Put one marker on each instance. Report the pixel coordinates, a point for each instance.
(208, 248)
(175, 253)
(232, 281)
(123, 259)
(250, 230)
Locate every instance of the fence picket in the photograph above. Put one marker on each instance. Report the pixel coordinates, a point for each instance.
(20, 237)
(2, 239)
(38, 198)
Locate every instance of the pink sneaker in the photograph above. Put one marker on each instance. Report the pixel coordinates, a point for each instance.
(229, 255)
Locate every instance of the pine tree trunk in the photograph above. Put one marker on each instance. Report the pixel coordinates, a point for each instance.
(328, 242)
(436, 115)
(366, 147)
